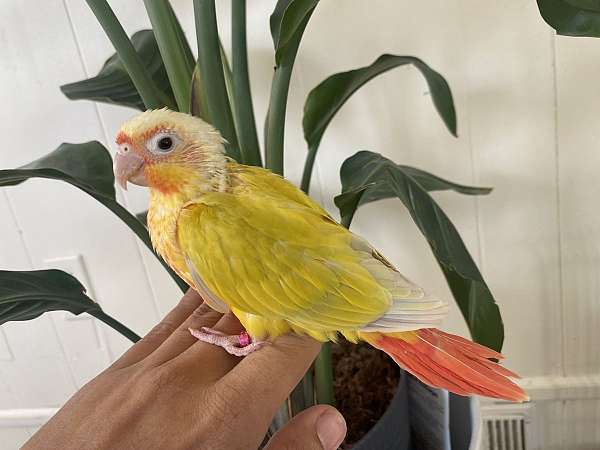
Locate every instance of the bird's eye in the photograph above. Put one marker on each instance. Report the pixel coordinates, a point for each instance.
(163, 142)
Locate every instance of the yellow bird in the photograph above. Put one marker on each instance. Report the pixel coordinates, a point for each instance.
(252, 243)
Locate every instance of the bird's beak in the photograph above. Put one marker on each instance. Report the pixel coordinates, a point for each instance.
(129, 167)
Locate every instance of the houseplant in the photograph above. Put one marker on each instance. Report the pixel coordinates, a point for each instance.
(223, 97)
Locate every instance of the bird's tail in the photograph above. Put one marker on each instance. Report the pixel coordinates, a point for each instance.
(450, 362)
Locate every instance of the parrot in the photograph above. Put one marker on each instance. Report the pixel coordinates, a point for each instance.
(253, 244)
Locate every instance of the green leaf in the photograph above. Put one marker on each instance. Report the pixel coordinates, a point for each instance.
(27, 295)
(325, 100)
(572, 17)
(114, 85)
(367, 177)
(87, 166)
(426, 180)
(289, 19)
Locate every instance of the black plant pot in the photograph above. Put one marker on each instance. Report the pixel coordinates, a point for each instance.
(392, 431)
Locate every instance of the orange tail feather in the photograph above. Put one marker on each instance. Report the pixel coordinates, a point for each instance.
(449, 362)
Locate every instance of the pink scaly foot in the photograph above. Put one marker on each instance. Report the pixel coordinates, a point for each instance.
(237, 344)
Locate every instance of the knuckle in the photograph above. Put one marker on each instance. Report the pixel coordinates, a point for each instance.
(204, 315)
(191, 297)
(159, 332)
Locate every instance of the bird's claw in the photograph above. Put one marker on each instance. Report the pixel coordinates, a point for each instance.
(237, 344)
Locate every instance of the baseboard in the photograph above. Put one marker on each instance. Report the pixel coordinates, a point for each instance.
(22, 418)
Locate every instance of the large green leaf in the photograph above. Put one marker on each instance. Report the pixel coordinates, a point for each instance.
(325, 100)
(113, 84)
(87, 166)
(289, 19)
(572, 17)
(27, 295)
(379, 191)
(367, 177)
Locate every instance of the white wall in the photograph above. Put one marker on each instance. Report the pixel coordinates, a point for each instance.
(527, 104)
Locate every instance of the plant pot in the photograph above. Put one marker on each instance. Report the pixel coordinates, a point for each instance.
(392, 431)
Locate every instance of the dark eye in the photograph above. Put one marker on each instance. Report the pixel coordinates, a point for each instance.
(165, 143)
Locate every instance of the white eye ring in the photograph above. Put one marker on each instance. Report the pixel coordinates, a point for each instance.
(124, 148)
(163, 142)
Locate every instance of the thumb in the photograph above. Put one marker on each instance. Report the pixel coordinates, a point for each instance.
(320, 427)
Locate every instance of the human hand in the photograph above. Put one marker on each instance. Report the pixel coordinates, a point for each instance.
(170, 391)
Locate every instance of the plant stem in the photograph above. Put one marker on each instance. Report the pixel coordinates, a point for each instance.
(308, 169)
(171, 49)
(211, 73)
(276, 119)
(115, 325)
(324, 375)
(146, 87)
(243, 110)
(228, 77)
(190, 60)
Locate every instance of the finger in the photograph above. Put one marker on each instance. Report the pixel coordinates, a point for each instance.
(157, 335)
(213, 361)
(320, 427)
(265, 378)
(181, 339)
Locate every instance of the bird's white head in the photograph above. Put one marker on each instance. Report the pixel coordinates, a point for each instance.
(165, 149)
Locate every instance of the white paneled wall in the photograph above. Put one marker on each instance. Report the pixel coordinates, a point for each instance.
(528, 105)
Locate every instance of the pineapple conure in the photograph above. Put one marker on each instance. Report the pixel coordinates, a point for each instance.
(253, 244)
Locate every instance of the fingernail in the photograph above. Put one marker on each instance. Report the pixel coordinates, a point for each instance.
(331, 429)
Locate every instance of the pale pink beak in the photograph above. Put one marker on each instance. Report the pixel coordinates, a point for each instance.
(129, 167)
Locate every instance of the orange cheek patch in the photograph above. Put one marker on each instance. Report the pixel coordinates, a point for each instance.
(168, 179)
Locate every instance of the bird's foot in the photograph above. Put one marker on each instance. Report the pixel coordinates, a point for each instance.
(237, 344)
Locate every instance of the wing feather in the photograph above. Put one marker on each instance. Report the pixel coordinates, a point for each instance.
(279, 261)
(269, 251)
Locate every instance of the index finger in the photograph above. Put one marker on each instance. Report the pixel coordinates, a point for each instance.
(270, 373)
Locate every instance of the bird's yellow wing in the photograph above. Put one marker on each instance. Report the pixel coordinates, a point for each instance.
(272, 256)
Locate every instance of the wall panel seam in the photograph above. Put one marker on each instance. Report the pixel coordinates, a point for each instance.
(561, 294)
